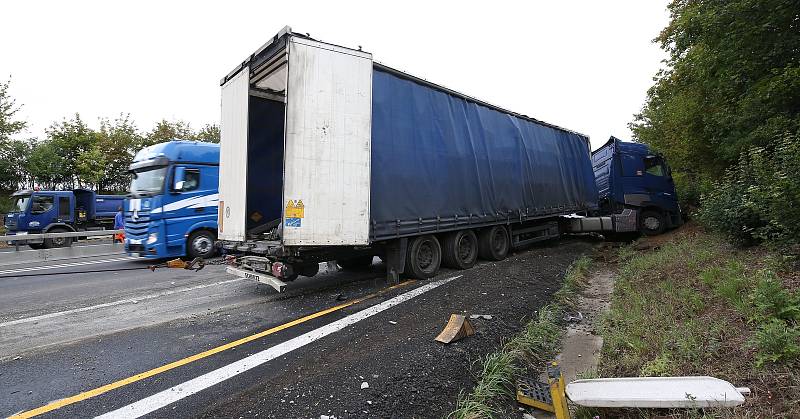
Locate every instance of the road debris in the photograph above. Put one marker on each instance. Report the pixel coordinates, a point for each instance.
(573, 319)
(392, 322)
(480, 316)
(458, 327)
(364, 385)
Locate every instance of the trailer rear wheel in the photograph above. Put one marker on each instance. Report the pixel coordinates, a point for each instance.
(652, 223)
(460, 249)
(358, 262)
(424, 257)
(58, 241)
(493, 243)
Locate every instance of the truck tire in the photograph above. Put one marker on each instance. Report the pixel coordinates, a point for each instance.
(36, 246)
(493, 243)
(200, 244)
(57, 242)
(652, 223)
(424, 257)
(460, 249)
(356, 263)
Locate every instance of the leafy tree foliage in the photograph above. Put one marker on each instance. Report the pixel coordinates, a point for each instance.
(732, 82)
(12, 151)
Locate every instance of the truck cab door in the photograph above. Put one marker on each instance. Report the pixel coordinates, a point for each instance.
(193, 196)
(659, 184)
(43, 211)
(64, 209)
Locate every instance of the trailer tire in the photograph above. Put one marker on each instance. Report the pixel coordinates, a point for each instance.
(355, 263)
(460, 249)
(36, 246)
(200, 244)
(652, 223)
(57, 242)
(424, 257)
(493, 243)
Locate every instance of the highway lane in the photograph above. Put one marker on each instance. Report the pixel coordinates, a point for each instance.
(96, 343)
(62, 333)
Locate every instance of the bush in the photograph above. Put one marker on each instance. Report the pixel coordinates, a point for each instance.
(771, 300)
(758, 199)
(776, 342)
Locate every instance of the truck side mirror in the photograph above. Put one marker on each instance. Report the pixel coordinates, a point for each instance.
(179, 178)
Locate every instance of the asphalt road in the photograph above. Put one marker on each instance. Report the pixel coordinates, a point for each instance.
(77, 344)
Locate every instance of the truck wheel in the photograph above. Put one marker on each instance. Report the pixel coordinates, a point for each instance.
(424, 257)
(460, 249)
(59, 241)
(493, 243)
(36, 246)
(356, 263)
(200, 244)
(652, 223)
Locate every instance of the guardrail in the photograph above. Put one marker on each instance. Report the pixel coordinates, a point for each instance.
(24, 238)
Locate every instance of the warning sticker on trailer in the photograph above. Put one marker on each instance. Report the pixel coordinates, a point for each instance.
(293, 222)
(295, 209)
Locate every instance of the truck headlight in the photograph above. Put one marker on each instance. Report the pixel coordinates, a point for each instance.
(152, 238)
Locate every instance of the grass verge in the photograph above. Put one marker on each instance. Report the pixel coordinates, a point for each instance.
(695, 305)
(535, 345)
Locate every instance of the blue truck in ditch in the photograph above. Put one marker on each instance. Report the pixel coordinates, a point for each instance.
(171, 209)
(329, 155)
(77, 210)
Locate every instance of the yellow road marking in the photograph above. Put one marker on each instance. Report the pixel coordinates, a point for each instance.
(172, 365)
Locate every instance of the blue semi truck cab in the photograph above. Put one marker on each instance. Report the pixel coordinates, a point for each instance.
(632, 179)
(60, 212)
(172, 207)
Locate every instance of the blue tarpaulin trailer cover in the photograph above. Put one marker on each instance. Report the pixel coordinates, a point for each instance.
(442, 161)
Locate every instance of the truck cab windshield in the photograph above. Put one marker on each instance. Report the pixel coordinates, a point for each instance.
(148, 181)
(21, 203)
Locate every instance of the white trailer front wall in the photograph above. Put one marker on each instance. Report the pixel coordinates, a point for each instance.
(327, 150)
(233, 157)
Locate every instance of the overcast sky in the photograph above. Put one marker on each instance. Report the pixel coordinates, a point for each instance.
(583, 65)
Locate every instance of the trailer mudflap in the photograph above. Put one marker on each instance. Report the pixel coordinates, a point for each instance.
(259, 277)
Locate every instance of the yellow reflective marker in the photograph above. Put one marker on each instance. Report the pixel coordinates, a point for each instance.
(172, 365)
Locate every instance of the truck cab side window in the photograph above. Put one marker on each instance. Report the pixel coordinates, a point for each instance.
(63, 207)
(41, 204)
(191, 180)
(653, 166)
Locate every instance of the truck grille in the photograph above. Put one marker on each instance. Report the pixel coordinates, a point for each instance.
(136, 228)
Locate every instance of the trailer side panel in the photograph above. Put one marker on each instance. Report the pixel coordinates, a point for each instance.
(442, 162)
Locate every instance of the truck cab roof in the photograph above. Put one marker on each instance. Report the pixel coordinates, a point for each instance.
(182, 151)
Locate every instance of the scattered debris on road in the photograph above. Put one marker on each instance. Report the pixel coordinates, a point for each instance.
(480, 316)
(458, 327)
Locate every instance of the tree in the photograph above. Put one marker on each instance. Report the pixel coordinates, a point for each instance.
(168, 131)
(46, 166)
(209, 134)
(92, 167)
(119, 141)
(12, 152)
(70, 139)
(732, 82)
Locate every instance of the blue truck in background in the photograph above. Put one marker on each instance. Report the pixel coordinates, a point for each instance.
(60, 212)
(171, 210)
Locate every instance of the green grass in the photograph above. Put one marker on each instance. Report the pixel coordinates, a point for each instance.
(531, 348)
(698, 306)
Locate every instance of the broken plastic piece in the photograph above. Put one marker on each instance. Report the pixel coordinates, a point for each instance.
(458, 327)
(655, 392)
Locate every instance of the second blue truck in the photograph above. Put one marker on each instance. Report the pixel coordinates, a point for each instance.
(172, 207)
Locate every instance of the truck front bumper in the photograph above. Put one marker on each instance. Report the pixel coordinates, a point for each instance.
(258, 277)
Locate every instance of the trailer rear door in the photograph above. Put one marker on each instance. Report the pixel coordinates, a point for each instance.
(327, 145)
(233, 157)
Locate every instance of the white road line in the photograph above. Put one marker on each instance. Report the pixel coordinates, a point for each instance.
(173, 394)
(115, 303)
(64, 265)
